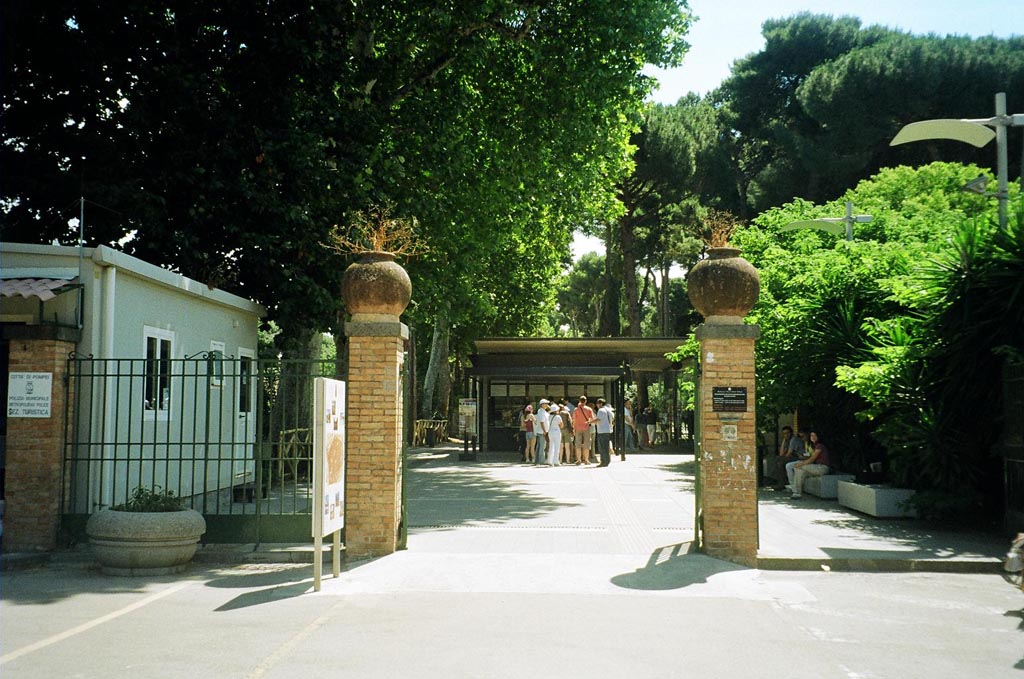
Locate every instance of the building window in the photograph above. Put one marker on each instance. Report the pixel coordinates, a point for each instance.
(215, 363)
(159, 350)
(245, 367)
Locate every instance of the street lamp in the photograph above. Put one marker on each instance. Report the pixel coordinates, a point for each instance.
(834, 225)
(976, 132)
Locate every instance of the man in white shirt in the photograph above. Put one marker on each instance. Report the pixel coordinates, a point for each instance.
(541, 430)
(605, 419)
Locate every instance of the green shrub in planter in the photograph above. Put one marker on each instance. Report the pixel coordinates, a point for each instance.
(153, 499)
(150, 534)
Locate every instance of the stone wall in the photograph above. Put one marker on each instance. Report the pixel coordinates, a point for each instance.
(373, 501)
(728, 445)
(33, 477)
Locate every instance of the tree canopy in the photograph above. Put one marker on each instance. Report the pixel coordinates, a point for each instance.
(226, 139)
(892, 342)
(814, 111)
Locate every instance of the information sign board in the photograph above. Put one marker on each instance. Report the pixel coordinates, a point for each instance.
(729, 399)
(29, 394)
(467, 415)
(329, 456)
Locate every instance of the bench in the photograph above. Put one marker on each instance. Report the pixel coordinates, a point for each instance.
(876, 499)
(827, 486)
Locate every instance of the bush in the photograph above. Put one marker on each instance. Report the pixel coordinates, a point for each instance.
(153, 499)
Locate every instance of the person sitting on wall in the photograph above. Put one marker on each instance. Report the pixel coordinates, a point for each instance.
(815, 465)
(791, 449)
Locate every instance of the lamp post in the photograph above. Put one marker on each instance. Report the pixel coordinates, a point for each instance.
(976, 132)
(836, 225)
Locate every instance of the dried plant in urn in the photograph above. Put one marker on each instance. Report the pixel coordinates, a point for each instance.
(718, 228)
(376, 231)
(375, 286)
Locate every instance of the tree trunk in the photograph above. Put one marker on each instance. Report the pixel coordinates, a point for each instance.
(627, 241)
(666, 317)
(438, 363)
(444, 383)
(609, 325)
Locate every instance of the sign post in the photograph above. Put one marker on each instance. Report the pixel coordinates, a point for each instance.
(29, 394)
(328, 472)
(467, 416)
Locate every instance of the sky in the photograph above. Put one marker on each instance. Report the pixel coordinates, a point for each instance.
(727, 30)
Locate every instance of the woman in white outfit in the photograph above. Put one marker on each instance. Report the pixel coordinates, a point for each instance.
(555, 432)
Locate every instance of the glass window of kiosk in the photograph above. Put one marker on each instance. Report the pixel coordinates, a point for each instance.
(508, 398)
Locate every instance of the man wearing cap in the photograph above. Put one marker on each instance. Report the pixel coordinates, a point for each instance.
(582, 418)
(543, 436)
(605, 417)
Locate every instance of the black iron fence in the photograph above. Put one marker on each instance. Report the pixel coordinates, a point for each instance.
(1012, 444)
(231, 436)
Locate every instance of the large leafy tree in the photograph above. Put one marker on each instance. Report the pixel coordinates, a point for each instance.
(659, 198)
(813, 112)
(225, 139)
(889, 342)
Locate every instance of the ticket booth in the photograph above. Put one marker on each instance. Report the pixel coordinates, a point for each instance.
(508, 373)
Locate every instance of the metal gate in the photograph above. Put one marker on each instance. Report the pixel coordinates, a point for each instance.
(232, 436)
(1012, 445)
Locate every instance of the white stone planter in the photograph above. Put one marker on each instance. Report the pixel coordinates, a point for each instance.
(144, 543)
(875, 499)
(826, 487)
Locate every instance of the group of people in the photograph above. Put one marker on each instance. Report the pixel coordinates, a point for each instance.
(559, 433)
(798, 457)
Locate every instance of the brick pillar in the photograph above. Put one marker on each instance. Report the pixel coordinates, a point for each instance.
(373, 482)
(728, 442)
(33, 481)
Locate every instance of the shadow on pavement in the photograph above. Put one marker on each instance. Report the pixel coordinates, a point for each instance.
(52, 583)
(274, 585)
(844, 533)
(674, 567)
(684, 472)
(443, 492)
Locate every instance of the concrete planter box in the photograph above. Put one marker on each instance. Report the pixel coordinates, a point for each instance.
(876, 500)
(144, 543)
(827, 486)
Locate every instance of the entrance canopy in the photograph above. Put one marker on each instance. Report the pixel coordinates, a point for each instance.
(592, 357)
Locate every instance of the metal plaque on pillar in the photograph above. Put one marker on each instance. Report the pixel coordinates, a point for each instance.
(729, 399)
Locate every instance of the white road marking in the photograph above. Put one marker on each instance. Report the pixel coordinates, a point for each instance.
(49, 641)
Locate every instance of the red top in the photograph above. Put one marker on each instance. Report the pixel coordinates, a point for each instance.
(581, 418)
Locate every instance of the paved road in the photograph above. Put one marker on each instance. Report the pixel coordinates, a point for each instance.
(511, 572)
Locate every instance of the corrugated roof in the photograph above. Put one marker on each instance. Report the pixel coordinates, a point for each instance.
(43, 288)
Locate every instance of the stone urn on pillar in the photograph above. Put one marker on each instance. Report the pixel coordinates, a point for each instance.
(724, 287)
(375, 287)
